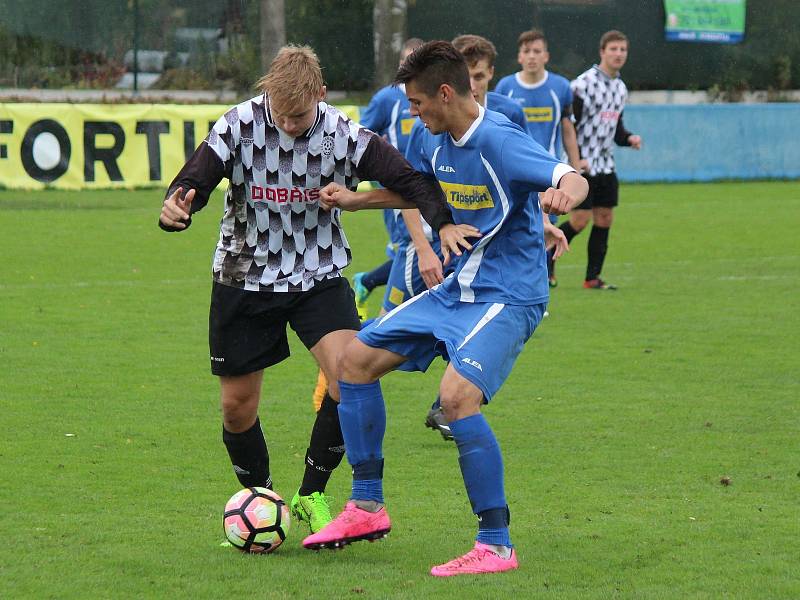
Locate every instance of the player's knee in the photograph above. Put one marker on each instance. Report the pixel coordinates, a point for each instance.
(354, 365)
(579, 223)
(459, 401)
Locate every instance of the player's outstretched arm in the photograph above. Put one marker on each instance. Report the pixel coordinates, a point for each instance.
(572, 190)
(335, 195)
(176, 209)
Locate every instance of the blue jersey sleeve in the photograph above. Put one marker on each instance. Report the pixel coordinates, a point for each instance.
(528, 166)
(518, 116)
(503, 86)
(417, 148)
(376, 116)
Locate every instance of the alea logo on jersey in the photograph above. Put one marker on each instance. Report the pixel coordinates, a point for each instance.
(467, 197)
(281, 194)
(446, 169)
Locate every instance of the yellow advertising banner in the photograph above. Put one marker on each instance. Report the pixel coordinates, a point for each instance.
(97, 146)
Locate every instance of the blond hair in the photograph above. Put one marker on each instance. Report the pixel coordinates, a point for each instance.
(294, 77)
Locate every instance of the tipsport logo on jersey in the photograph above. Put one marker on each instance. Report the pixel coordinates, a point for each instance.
(466, 196)
(100, 146)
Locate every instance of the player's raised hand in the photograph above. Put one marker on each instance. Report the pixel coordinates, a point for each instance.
(554, 238)
(635, 141)
(176, 209)
(454, 238)
(555, 201)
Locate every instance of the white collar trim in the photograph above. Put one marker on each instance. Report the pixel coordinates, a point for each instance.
(465, 138)
(532, 86)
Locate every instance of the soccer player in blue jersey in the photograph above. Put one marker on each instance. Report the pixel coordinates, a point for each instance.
(478, 319)
(418, 265)
(387, 114)
(546, 99)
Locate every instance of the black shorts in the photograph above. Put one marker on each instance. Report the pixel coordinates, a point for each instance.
(603, 191)
(247, 329)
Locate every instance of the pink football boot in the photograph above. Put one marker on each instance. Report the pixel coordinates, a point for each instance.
(481, 559)
(352, 525)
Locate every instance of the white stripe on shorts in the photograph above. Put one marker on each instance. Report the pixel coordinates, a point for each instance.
(490, 314)
(409, 270)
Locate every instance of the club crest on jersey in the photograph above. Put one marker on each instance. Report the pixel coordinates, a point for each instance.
(446, 169)
(467, 197)
(327, 145)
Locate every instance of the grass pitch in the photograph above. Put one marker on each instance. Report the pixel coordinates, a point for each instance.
(650, 435)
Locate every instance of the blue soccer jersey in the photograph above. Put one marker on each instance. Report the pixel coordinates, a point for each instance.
(544, 103)
(488, 177)
(388, 114)
(506, 106)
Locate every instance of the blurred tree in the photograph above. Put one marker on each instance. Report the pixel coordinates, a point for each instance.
(389, 33)
(273, 30)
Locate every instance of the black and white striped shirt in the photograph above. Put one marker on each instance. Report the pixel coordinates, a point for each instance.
(274, 236)
(598, 102)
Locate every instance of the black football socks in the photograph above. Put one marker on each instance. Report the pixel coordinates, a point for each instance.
(325, 450)
(598, 246)
(249, 456)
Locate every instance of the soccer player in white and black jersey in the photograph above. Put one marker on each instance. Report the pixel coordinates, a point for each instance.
(599, 96)
(279, 258)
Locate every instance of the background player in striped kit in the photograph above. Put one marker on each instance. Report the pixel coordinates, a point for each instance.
(279, 258)
(599, 102)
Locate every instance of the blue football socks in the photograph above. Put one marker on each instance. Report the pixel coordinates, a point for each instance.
(482, 468)
(362, 415)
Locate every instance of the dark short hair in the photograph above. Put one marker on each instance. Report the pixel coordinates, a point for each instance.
(612, 36)
(433, 64)
(474, 48)
(531, 35)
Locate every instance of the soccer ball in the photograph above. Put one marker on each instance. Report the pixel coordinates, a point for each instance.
(256, 520)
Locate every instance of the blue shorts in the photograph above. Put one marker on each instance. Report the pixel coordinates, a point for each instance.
(481, 340)
(405, 280)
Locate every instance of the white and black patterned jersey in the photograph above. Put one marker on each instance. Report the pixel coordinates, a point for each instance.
(274, 236)
(598, 102)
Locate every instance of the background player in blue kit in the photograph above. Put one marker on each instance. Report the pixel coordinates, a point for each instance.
(387, 114)
(479, 318)
(546, 99)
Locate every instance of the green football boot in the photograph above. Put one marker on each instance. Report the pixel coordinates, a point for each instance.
(313, 509)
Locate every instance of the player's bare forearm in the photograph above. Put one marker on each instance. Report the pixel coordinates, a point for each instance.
(571, 191)
(430, 267)
(411, 217)
(571, 143)
(335, 195)
(575, 186)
